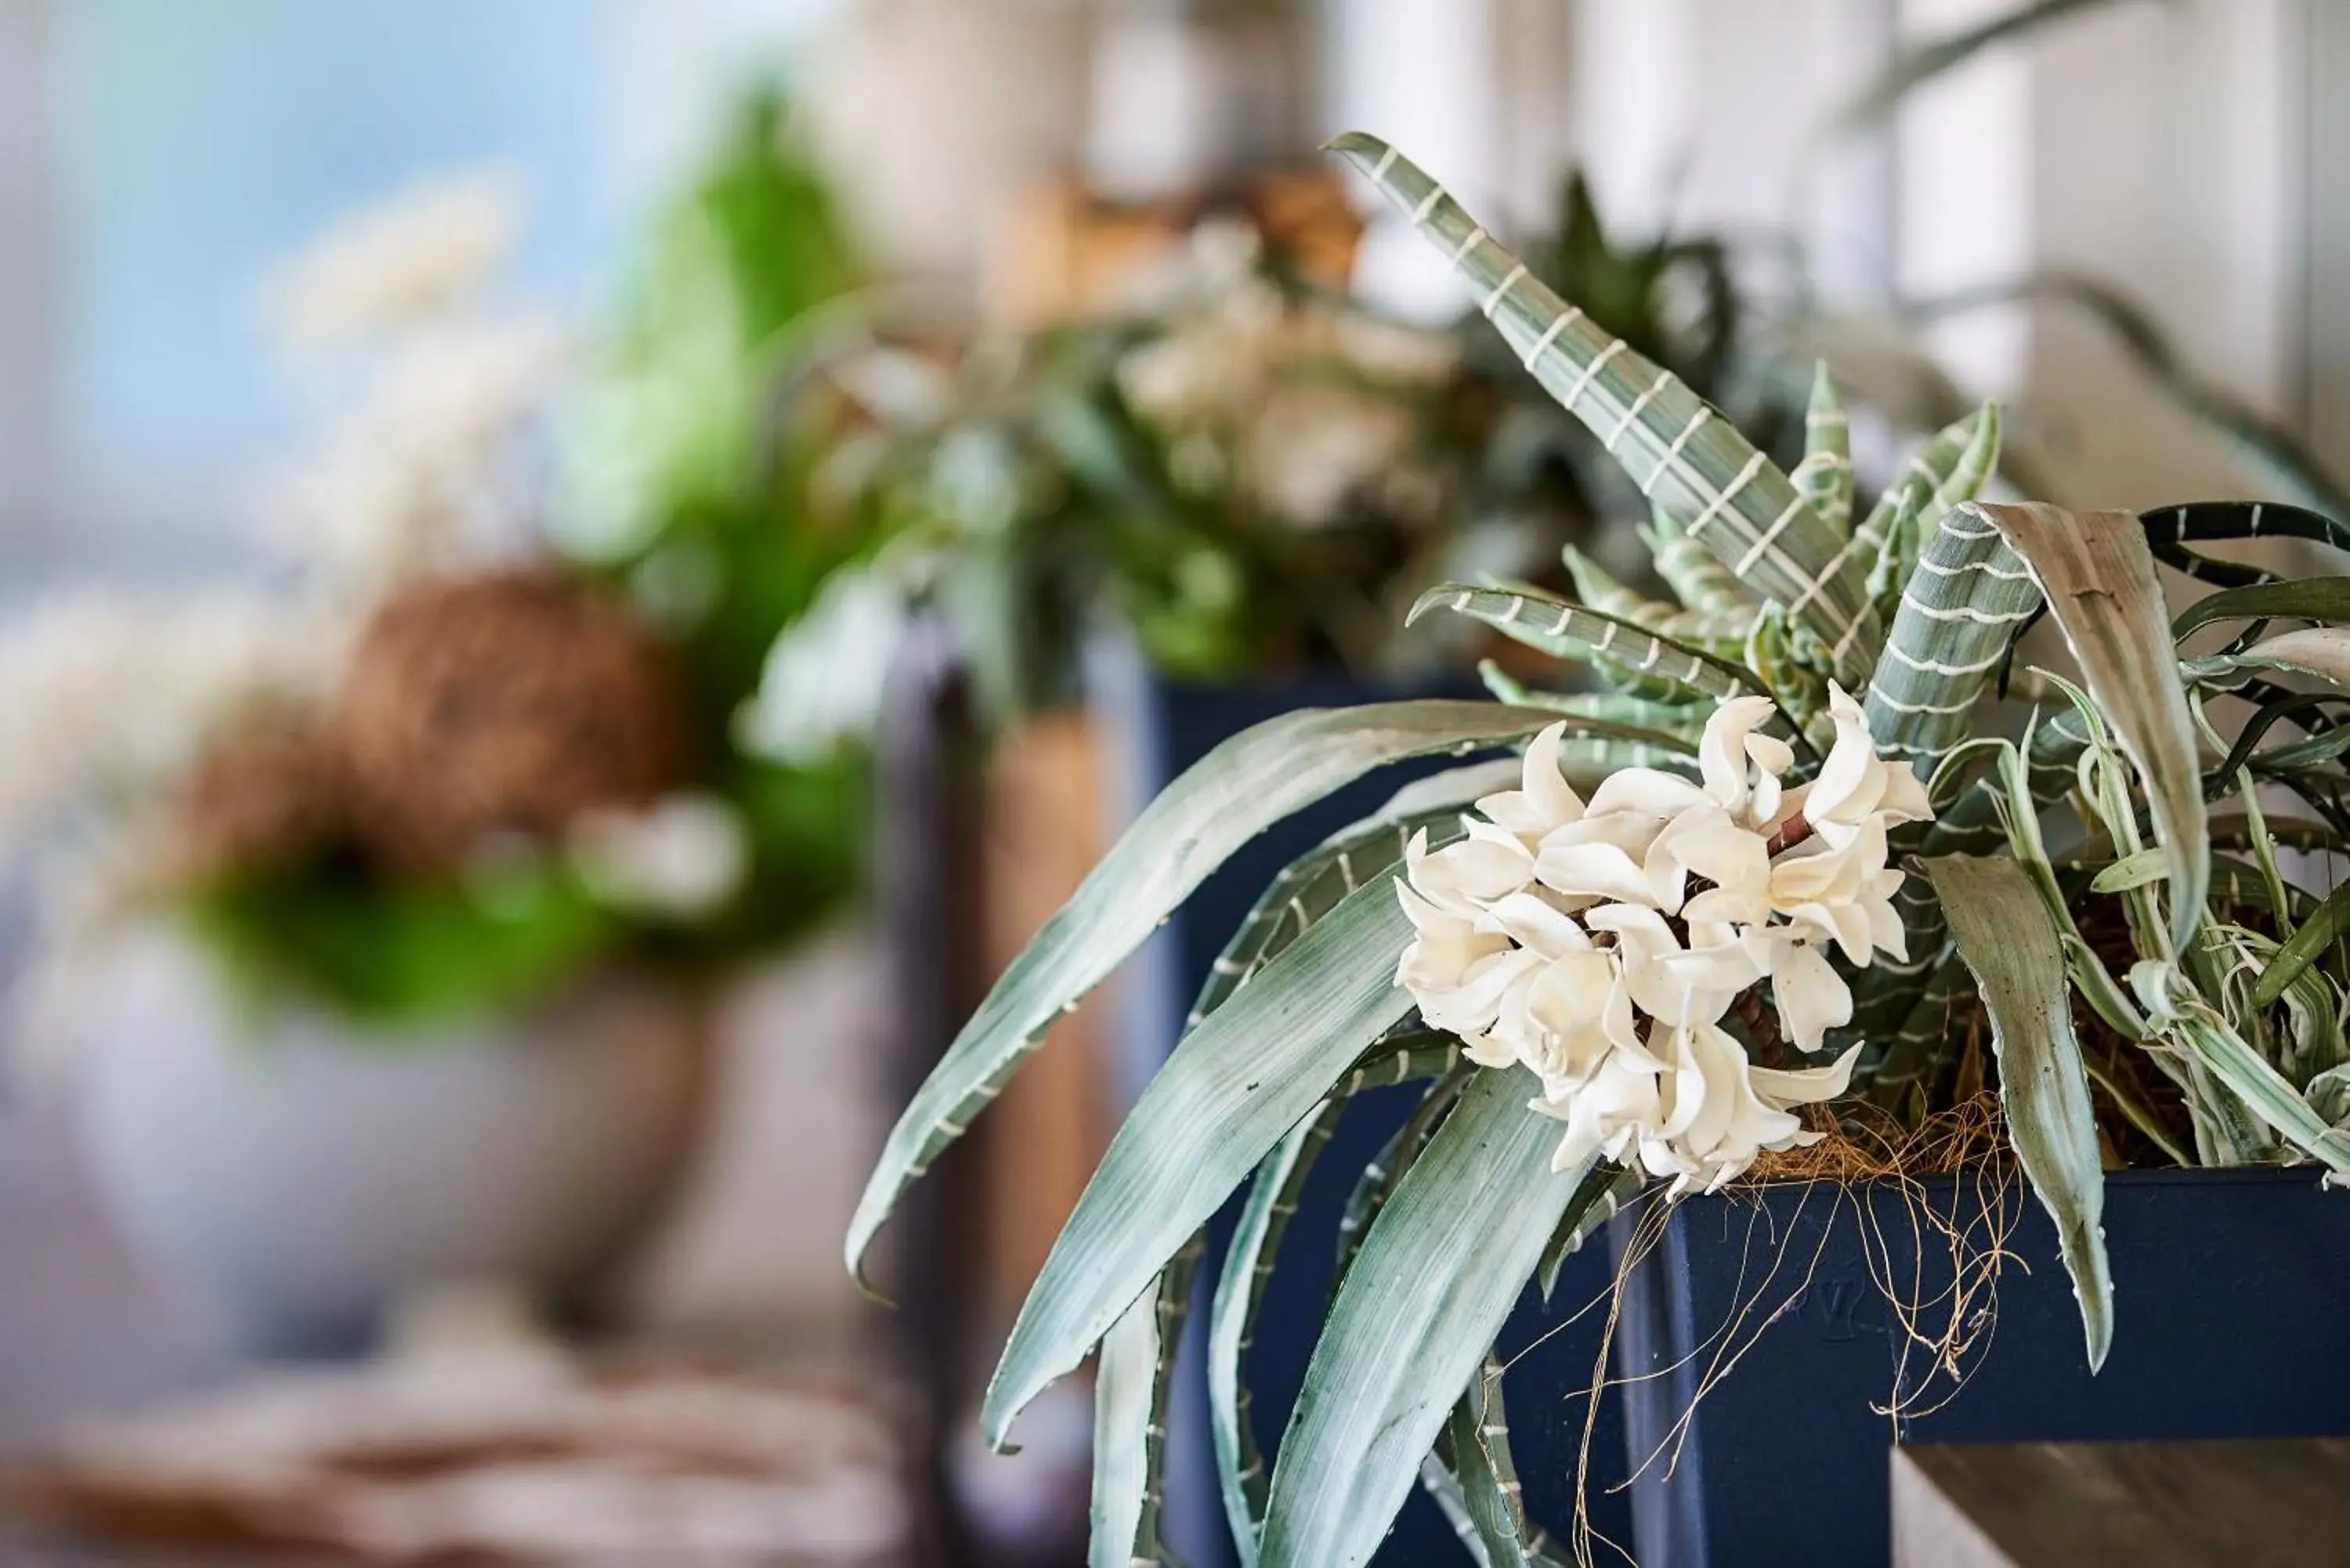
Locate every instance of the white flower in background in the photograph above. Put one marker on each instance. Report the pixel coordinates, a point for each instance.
(683, 857)
(425, 469)
(1601, 944)
(1305, 404)
(401, 262)
(823, 678)
(106, 695)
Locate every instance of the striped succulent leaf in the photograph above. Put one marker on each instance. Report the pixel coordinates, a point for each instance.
(1682, 720)
(1605, 1192)
(1905, 540)
(1573, 632)
(1913, 486)
(1971, 825)
(1824, 478)
(1965, 603)
(1780, 652)
(2170, 529)
(1718, 635)
(1137, 1365)
(1475, 1471)
(1702, 583)
(1248, 1267)
(1681, 452)
(1915, 1049)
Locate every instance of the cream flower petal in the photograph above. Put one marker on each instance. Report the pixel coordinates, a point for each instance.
(1722, 754)
(1806, 1086)
(1811, 997)
(1543, 800)
(1533, 921)
(1852, 778)
(1593, 870)
(1646, 791)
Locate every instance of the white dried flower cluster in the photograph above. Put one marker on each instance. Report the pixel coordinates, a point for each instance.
(426, 468)
(423, 463)
(399, 262)
(1601, 943)
(1299, 403)
(104, 695)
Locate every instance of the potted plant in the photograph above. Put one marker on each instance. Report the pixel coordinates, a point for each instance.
(1783, 883)
(391, 891)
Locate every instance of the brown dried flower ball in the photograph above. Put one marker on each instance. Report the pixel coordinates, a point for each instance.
(269, 794)
(514, 701)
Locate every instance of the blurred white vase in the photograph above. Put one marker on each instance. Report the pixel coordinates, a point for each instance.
(300, 1173)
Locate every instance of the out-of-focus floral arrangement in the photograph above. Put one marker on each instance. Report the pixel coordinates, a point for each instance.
(1246, 473)
(479, 734)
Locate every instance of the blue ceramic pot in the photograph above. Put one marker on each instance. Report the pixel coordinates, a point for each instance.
(2229, 1295)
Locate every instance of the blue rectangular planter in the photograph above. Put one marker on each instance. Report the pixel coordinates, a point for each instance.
(1158, 728)
(2231, 1290)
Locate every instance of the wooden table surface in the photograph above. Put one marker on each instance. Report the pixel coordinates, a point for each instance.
(2283, 1504)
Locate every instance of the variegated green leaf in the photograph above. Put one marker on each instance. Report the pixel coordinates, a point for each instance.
(1234, 1086)
(2258, 1086)
(1237, 791)
(1681, 452)
(2099, 578)
(1425, 1298)
(2324, 599)
(1964, 604)
(1824, 476)
(2005, 935)
(1971, 825)
(2321, 651)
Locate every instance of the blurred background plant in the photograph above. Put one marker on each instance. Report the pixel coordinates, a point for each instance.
(479, 739)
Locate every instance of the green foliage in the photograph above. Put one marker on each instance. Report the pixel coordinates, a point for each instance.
(407, 956)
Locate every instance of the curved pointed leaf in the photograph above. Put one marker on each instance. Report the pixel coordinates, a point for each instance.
(2170, 529)
(1411, 1322)
(1138, 1363)
(2100, 577)
(1248, 1265)
(1238, 789)
(2301, 598)
(1824, 476)
(1253, 1069)
(2004, 934)
(1682, 452)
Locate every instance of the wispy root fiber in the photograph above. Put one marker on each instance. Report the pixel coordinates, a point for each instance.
(1934, 1256)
